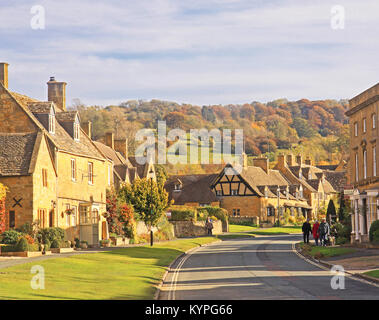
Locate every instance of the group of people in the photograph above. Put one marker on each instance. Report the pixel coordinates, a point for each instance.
(320, 232)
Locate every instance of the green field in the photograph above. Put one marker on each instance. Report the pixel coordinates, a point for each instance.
(239, 228)
(128, 273)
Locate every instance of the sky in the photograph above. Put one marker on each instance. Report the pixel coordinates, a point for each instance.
(191, 51)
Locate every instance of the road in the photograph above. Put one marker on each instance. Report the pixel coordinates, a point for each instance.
(260, 268)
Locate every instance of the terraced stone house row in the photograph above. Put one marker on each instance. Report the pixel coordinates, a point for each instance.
(56, 175)
(258, 191)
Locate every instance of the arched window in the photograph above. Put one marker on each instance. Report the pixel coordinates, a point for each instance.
(373, 119)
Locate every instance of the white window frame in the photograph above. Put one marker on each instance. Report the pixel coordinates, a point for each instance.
(373, 118)
(356, 129)
(73, 170)
(90, 173)
(364, 164)
(73, 216)
(364, 125)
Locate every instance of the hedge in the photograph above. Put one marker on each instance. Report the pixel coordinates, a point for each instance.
(219, 213)
(373, 228)
(183, 213)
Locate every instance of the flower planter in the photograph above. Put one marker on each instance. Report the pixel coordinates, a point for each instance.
(61, 250)
(24, 254)
(119, 241)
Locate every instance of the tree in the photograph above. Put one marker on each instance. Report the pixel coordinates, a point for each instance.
(331, 211)
(148, 198)
(3, 192)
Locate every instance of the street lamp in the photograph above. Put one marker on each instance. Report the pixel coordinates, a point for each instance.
(151, 172)
(278, 195)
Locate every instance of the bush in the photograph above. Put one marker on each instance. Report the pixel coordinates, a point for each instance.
(22, 245)
(376, 236)
(341, 240)
(219, 213)
(165, 227)
(10, 237)
(55, 244)
(47, 245)
(374, 227)
(77, 243)
(52, 234)
(183, 213)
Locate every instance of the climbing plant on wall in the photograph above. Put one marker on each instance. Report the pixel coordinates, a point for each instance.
(3, 192)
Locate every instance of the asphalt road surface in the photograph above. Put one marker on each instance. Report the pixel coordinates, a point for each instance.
(259, 268)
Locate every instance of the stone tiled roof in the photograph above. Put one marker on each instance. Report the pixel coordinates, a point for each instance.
(337, 179)
(40, 107)
(66, 116)
(61, 138)
(16, 153)
(195, 188)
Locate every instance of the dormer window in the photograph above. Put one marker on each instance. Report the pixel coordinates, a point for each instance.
(301, 194)
(52, 121)
(177, 187)
(76, 129)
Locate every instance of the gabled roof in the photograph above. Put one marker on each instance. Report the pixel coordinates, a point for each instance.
(17, 153)
(40, 107)
(337, 179)
(195, 188)
(67, 116)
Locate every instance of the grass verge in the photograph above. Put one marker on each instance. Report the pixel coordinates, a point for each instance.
(324, 252)
(127, 273)
(276, 230)
(374, 273)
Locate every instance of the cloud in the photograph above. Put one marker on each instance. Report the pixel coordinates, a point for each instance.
(200, 51)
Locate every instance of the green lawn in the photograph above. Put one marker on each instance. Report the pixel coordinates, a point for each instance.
(264, 231)
(276, 230)
(239, 228)
(374, 273)
(232, 236)
(321, 252)
(129, 273)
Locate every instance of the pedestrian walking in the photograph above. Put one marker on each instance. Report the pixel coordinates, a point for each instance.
(306, 230)
(209, 226)
(324, 232)
(315, 234)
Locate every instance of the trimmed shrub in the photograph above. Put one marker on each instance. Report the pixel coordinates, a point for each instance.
(77, 243)
(183, 213)
(47, 245)
(22, 245)
(55, 244)
(219, 213)
(374, 227)
(376, 236)
(10, 237)
(166, 228)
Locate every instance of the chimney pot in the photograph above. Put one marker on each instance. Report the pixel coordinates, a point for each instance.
(290, 160)
(121, 145)
(262, 162)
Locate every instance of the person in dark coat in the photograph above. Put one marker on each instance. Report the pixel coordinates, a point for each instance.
(307, 229)
(324, 232)
(315, 234)
(209, 226)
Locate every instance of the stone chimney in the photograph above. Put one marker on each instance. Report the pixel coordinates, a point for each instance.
(299, 159)
(281, 161)
(121, 145)
(56, 92)
(109, 139)
(4, 74)
(290, 160)
(262, 163)
(87, 128)
(308, 161)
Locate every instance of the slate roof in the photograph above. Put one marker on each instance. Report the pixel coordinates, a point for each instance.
(66, 116)
(195, 188)
(16, 153)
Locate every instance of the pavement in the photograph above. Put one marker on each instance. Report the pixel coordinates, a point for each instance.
(263, 268)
